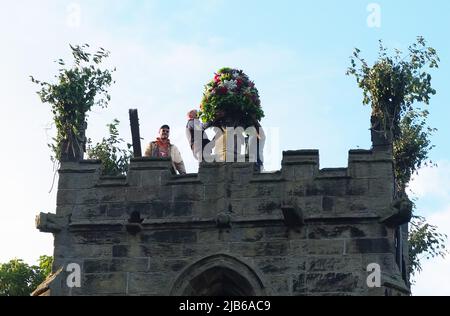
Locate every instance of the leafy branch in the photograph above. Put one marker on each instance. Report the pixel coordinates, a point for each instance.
(115, 160)
(77, 89)
(397, 87)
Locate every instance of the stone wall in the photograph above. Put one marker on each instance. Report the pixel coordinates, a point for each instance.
(228, 230)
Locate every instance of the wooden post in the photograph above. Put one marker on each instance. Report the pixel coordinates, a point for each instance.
(135, 134)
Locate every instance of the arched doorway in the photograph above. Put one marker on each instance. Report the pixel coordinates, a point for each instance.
(219, 275)
(219, 281)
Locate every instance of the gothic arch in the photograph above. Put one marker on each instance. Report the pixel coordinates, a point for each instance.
(218, 275)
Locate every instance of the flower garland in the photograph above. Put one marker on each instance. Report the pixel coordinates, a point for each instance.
(231, 99)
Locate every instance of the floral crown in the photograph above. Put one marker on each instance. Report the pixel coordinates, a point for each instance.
(231, 98)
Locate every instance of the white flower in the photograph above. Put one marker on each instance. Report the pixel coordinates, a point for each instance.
(230, 84)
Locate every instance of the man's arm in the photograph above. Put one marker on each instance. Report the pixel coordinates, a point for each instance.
(178, 160)
(180, 167)
(149, 150)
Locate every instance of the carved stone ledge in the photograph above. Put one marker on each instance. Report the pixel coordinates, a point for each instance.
(401, 213)
(50, 223)
(223, 220)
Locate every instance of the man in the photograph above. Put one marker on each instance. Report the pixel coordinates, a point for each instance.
(162, 148)
(195, 133)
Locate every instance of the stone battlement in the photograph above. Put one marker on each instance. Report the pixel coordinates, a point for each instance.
(228, 230)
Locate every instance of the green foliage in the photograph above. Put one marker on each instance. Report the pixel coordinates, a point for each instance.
(45, 266)
(393, 84)
(114, 159)
(397, 88)
(19, 279)
(425, 242)
(412, 148)
(77, 89)
(231, 99)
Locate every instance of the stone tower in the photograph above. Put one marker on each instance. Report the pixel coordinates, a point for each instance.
(230, 231)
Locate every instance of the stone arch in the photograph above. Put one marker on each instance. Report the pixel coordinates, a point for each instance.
(218, 275)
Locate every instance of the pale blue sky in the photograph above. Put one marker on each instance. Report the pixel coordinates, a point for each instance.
(165, 51)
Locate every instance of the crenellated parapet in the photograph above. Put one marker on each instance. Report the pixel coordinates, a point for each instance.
(299, 231)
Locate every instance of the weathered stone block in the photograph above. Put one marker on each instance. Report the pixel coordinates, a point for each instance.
(242, 175)
(279, 233)
(111, 194)
(249, 234)
(370, 245)
(332, 282)
(386, 261)
(279, 286)
(169, 236)
(212, 173)
(328, 204)
(149, 283)
(100, 236)
(274, 265)
(175, 265)
(89, 211)
(205, 249)
(335, 263)
(64, 210)
(145, 210)
(116, 265)
(299, 284)
(207, 209)
(212, 235)
(317, 247)
(104, 283)
(120, 251)
(88, 196)
(381, 188)
(257, 249)
(328, 231)
(142, 194)
(149, 164)
(165, 250)
(150, 178)
(268, 207)
(302, 164)
(263, 190)
(159, 208)
(117, 210)
(66, 197)
(244, 206)
(371, 169)
(75, 181)
(295, 189)
(82, 250)
(303, 172)
(188, 192)
(326, 186)
(350, 230)
(312, 205)
(177, 209)
(358, 187)
(134, 178)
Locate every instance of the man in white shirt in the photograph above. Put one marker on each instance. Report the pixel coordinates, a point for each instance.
(162, 148)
